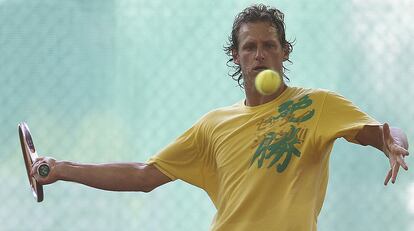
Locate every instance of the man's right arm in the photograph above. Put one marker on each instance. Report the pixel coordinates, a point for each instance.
(111, 176)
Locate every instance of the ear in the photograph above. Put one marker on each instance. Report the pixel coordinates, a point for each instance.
(235, 55)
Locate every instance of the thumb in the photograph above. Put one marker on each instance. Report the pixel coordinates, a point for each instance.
(386, 133)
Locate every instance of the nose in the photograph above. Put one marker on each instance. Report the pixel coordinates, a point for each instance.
(259, 54)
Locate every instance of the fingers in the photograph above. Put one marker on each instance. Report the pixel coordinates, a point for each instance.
(35, 166)
(35, 173)
(388, 177)
(404, 152)
(397, 154)
(395, 169)
(401, 162)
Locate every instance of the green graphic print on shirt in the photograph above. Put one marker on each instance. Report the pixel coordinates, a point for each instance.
(279, 147)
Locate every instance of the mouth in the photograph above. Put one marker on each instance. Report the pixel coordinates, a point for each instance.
(260, 68)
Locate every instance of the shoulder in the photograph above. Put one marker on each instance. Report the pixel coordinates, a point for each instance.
(220, 114)
(320, 96)
(315, 93)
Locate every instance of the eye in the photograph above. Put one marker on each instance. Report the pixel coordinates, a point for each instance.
(270, 45)
(249, 47)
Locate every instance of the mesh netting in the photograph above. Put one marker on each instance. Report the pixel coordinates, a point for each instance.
(115, 81)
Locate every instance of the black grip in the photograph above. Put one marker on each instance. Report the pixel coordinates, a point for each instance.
(43, 170)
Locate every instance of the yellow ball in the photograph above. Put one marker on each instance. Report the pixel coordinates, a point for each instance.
(267, 82)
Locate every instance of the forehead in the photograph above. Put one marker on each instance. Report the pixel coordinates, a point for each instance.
(257, 31)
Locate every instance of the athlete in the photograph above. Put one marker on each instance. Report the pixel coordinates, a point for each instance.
(264, 160)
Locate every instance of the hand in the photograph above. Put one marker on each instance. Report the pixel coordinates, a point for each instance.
(395, 152)
(51, 177)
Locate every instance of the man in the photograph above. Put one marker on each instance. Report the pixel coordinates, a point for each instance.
(262, 161)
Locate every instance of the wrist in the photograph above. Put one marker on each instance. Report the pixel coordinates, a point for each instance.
(61, 170)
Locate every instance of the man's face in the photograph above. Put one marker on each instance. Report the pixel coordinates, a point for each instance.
(259, 49)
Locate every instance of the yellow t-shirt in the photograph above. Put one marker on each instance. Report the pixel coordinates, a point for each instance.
(265, 167)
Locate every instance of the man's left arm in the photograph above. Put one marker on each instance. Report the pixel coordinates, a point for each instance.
(392, 141)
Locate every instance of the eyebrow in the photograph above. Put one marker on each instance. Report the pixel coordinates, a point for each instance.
(272, 41)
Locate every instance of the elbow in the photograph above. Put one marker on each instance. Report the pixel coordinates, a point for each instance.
(149, 178)
(150, 184)
(147, 189)
(142, 185)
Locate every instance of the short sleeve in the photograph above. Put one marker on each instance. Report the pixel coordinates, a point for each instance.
(341, 118)
(186, 157)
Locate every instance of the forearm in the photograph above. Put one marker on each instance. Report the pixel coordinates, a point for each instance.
(373, 136)
(113, 177)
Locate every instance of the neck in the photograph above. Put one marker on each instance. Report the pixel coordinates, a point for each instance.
(254, 98)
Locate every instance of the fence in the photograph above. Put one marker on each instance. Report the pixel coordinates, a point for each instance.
(114, 81)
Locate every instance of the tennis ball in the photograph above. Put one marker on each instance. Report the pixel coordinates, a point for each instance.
(267, 82)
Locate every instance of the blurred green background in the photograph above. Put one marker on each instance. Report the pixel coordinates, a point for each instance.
(114, 81)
